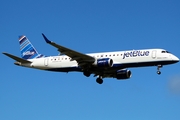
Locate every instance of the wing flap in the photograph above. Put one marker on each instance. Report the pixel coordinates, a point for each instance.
(79, 57)
(16, 58)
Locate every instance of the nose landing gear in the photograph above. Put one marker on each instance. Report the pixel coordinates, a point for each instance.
(158, 69)
(158, 72)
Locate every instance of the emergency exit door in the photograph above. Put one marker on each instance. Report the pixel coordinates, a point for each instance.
(46, 61)
(154, 54)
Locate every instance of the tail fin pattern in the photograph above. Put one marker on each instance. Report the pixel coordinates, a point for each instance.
(27, 49)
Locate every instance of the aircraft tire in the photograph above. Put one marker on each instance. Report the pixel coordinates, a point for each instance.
(87, 74)
(99, 80)
(158, 72)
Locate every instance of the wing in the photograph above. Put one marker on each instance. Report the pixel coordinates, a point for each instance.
(81, 58)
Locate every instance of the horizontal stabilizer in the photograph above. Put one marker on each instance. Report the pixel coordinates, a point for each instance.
(17, 58)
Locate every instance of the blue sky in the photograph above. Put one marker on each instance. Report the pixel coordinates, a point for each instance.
(89, 26)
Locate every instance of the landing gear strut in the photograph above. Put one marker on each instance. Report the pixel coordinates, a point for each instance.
(99, 80)
(158, 69)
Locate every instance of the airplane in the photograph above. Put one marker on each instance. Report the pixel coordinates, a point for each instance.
(101, 65)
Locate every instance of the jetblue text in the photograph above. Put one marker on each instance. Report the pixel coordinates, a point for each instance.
(135, 53)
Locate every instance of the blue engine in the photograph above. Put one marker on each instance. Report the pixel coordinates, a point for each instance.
(104, 62)
(123, 74)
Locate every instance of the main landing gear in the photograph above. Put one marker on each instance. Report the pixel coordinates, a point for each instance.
(99, 80)
(158, 69)
(87, 73)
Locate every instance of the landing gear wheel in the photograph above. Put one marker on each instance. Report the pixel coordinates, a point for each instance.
(99, 80)
(158, 72)
(86, 73)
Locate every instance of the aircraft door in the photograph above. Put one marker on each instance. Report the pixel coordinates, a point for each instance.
(154, 54)
(46, 61)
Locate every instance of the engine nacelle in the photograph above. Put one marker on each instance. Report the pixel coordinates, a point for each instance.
(103, 62)
(123, 74)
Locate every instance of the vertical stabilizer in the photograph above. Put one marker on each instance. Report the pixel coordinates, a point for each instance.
(27, 49)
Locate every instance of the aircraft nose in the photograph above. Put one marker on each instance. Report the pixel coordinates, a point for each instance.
(174, 58)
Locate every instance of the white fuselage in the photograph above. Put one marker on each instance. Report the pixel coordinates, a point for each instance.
(130, 58)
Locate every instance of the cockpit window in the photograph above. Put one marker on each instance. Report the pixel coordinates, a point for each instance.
(165, 51)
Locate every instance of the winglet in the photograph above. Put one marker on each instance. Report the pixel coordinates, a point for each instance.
(48, 41)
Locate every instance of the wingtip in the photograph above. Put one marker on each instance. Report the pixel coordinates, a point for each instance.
(47, 41)
(4, 53)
